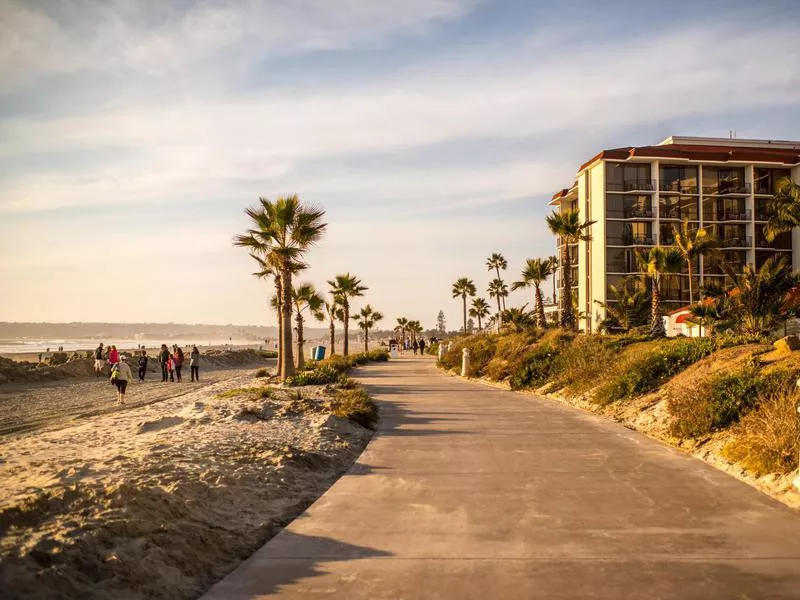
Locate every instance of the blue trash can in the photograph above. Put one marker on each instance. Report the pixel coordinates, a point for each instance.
(318, 352)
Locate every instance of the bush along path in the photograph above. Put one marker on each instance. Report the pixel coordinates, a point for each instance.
(728, 400)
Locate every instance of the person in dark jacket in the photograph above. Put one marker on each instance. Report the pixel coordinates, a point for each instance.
(422, 346)
(142, 366)
(194, 363)
(163, 360)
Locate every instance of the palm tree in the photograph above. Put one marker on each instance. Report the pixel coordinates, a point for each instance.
(464, 287)
(535, 272)
(658, 262)
(554, 262)
(366, 320)
(334, 313)
(479, 310)
(496, 261)
(518, 319)
(630, 307)
(498, 289)
(568, 226)
(784, 209)
(305, 297)
(344, 287)
(401, 328)
(692, 244)
(282, 233)
(415, 328)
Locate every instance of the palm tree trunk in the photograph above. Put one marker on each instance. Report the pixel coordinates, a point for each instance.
(479, 323)
(287, 366)
(301, 359)
(366, 340)
(346, 308)
(539, 308)
(656, 323)
(279, 297)
(464, 299)
(689, 265)
(333, 334)
(567, 318)
(497, 270)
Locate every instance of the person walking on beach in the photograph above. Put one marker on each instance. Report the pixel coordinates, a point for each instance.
(163, 360)
(113, 356)
(178, 363)
(194, 363)
(120, 376)
(421, 346)
(171, 367)
(415, 347)
(142, 366)
(99, 361)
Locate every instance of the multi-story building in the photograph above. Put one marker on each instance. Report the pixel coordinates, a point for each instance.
(637, 195)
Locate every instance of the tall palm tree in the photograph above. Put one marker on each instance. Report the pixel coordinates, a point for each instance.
(554, 262)
(305, 297)
(499, 290)
(334, 313)
(479, 310)
(784, 209)
(533, 275)
(693, 243)
(401, 328)
(282, 232)
(658, 262)
(496, 261)
(568, 226)
(464, 287)
(344, 287)
(366, 320)
(415, 328)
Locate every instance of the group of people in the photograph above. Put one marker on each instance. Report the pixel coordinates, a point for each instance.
(171, 366)
(415, 345)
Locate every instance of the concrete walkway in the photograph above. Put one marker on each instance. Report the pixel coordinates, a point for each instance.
(472, 492)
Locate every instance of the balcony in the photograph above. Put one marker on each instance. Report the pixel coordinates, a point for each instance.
(638, 240)
(637, 212)
(632, 185)
(736, 242)
(736, 266)
(677, 213)
(727, 189)
(676, 187)
(730, 214)
(779, 243)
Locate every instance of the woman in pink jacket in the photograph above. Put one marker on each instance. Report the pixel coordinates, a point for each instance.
(113, 356)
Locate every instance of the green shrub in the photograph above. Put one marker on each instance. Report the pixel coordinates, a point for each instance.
(346, 383)
(510, 352)
(322, 375)
(262, 372)
(433, 349)
(378, 355)
(357, 406)
(585, 361)
(536, 367)
(767, 440)
(647, 370)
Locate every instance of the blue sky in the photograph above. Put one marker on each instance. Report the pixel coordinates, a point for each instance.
(133, 134)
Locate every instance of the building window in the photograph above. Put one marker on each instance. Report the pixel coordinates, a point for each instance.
(782, 241)
(678, 208)
(678, 179)
(723, 180)
(724, 209)
(629, 233)
(621, 260)
(766, 181)
(628, 177)
(628, 206)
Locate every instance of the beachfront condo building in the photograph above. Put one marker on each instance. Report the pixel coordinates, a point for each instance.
(637, 195)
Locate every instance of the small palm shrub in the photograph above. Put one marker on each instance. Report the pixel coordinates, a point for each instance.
(536, 367)
(322, 375)
(646, 371)
(356, 405)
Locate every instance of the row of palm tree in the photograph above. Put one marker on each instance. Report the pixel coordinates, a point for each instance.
(281, 233)
(408, 328)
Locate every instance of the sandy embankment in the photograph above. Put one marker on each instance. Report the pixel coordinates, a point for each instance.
(162, 500)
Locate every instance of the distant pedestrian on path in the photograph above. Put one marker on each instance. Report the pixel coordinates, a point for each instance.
(142, 366)
(120, 376)
(178, 357)
(163, 360)
(113, 356)
(99, 361)
(415, 346)
(422, 346)
(194, 363)
(171, 367)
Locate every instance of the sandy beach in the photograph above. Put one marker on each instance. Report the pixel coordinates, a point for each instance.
(161, 499)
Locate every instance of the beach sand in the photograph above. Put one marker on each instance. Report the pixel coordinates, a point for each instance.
(162, 500)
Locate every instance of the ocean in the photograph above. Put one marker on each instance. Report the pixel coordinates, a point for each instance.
(33, 346)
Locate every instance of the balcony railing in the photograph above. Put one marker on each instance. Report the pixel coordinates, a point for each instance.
(717, 269)
(736, 242)
(776, 244)
(727, 189)
(677, 213)
(729, 214)
(638, 212)
(638, 240)
(763, 215)
(675, 187)
(632, 185)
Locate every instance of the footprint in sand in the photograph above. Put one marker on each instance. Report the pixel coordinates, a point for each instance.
(159, 424)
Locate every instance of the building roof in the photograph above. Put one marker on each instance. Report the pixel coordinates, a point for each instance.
(561, 194)
(704, 149)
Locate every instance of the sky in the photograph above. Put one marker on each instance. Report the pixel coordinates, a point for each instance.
(133, 134)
